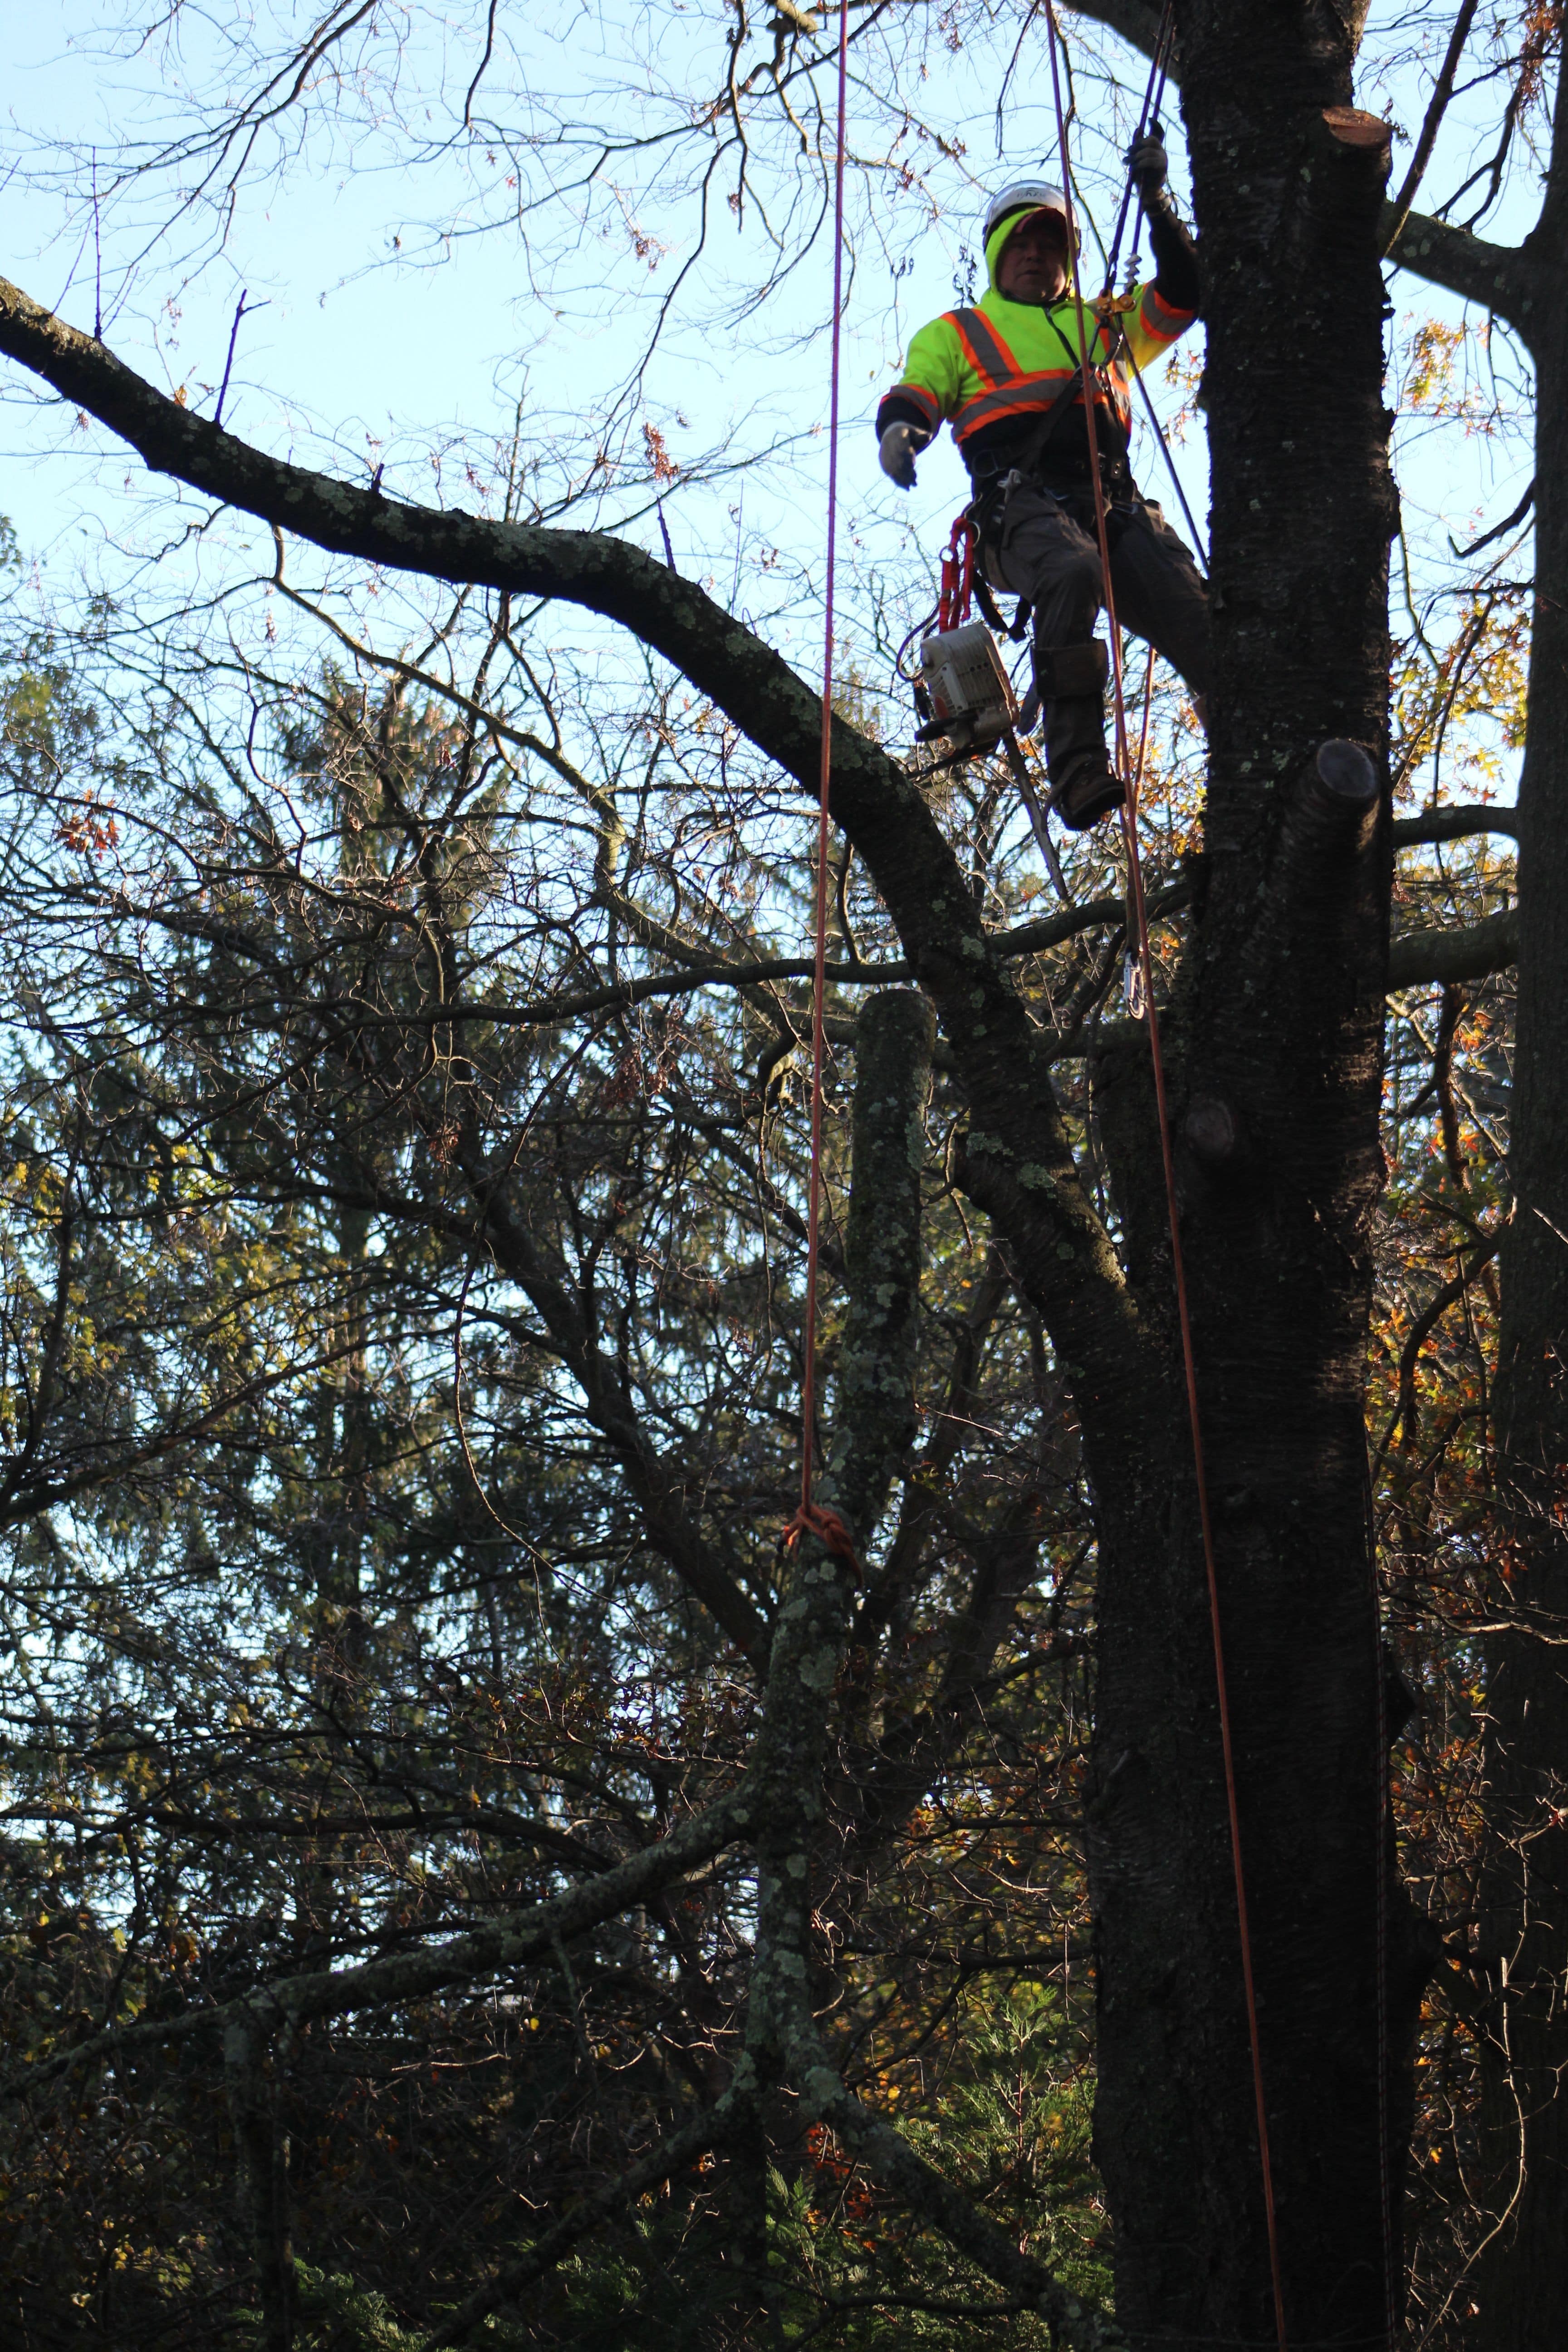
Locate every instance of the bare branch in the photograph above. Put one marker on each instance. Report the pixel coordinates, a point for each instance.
(1064, 1253)
(671, 2154)
(1436, 108)
(408, 1976)
(1503, 279)
(1454, 824)
(1421, 957)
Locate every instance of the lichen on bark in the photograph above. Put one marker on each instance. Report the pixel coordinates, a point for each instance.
(874, 1419)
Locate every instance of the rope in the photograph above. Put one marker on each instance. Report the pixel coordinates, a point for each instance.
(1153, 92)
(819, 973)
(1159, 433)
(1189, 1360)
(816, 1519)
(957, 574)
(1148, 117)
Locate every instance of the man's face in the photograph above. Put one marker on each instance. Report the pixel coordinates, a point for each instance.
(1034, 264)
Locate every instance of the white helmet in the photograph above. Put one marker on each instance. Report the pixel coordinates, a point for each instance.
(1029, 196)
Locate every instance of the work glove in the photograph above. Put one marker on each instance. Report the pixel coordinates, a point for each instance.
(1148, 165)
(900, 446)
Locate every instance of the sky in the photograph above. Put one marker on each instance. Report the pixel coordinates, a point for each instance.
(377, 340)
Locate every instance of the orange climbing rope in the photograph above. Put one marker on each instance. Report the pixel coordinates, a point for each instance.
(804, 1516)
(826, 1524)
(819, 1521)
(957, 574)
(1135, 888)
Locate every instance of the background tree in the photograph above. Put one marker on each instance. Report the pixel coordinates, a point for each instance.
(351, 1034)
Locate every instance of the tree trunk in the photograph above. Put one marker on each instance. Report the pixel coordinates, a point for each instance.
(1522, 2283)
(1278, 1041)
(1275, 1046)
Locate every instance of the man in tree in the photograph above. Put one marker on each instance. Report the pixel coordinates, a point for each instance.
(1279, 1006)
(1009, 376)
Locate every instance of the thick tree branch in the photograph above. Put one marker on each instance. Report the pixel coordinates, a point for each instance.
(1454, 824)
(1421, 957)
(1019, 1165)
(875, 1420)
(506, 1943)
(1033, 938)
(1138, 24)
(1502, 278)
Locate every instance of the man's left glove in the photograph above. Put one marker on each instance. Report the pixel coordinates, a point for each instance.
(1148, 165)
(899, 445)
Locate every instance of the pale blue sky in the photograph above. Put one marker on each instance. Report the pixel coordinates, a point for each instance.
(411, 355)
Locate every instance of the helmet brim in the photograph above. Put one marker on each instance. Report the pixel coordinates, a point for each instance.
(1013, 221)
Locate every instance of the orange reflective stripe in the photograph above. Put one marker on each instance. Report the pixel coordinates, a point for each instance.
(1027, 397)
(1161, 317)
(1030, 394)
(983, 347)
(917, 397)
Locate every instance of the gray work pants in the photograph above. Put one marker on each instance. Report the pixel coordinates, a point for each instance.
(1043, 546)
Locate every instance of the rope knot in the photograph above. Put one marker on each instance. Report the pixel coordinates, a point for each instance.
(816, 1519)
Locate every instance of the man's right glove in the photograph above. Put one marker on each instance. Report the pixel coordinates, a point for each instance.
(1148, 165)
(900, 446)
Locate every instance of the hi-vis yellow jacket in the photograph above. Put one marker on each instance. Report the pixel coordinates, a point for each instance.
(1004, 363)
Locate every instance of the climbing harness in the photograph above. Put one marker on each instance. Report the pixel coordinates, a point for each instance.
(1189, 1359)
(963, 697)
(963, 694)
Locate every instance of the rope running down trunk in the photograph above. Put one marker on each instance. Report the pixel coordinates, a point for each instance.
(1136, 892)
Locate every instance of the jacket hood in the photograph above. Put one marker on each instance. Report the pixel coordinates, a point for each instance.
(994, 244)
(998, 238)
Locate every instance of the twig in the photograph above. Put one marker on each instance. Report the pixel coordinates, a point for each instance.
(240, 312)
(1444, 90)
(1420, 1331)
(489, 45)
(671, 2154)
(1497, 529)
(97, 260)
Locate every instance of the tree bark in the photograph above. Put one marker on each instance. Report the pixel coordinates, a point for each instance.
(1522, 2283)
(1280, 1027)
(263, 2183)
(1281, 1023)
(874, 1415)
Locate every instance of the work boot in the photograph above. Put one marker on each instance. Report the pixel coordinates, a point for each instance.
(1090, 790)
(1071, 679)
